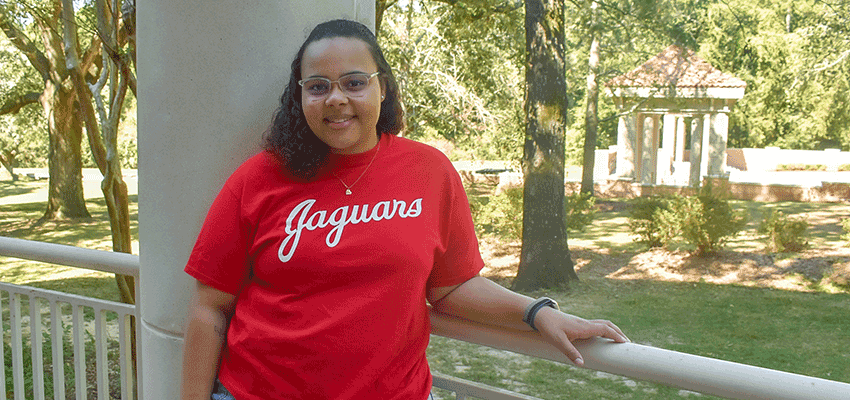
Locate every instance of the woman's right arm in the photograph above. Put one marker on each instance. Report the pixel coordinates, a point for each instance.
(209, 315)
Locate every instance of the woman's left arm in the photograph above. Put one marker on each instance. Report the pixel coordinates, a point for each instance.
(481, 300)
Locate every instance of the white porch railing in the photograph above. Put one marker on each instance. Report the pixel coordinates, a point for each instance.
(111, 262)
(106, 315)
(73, 319)
(686, 371)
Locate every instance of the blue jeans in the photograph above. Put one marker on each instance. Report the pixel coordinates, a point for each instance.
(220, 393)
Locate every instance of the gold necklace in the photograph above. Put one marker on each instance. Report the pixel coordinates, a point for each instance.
(348, 187)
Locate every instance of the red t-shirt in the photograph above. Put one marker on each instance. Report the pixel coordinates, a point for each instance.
(331, 287)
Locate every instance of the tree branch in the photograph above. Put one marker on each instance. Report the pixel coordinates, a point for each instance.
(24, 44)
(80, 86)
(14, 105)
(503, 8)
(825, 66)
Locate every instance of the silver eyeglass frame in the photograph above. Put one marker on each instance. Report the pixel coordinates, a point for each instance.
(330, 83)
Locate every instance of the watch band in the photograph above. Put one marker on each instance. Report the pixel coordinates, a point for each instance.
(535, 306)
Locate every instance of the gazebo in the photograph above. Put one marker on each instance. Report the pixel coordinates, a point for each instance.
(675, 117)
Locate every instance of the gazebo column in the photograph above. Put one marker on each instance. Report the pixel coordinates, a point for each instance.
(649, 140)
(680, 139)
(707, 124)
(626, 146)
(697, 124)
(668, 148)
(717, 144)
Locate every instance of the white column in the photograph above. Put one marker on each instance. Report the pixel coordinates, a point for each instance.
(667, 151)
(707, 127)
(680, 139)
(210, 75)
(717, 144)
(626, 146)
(649, 142)
(696, 150)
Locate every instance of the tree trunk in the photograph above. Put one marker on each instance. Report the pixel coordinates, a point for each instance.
(65, 190)
(591, 116)
(545, 258)
(65, 198)
(103, 137)
(380, 7)
(7, 158)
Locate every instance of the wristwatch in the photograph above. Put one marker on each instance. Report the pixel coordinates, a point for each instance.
(535, 306)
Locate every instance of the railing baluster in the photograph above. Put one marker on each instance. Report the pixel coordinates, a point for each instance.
(17, 346)
(57, 344)
(77, 329)
(125, 357)
(101, 363)
(2, 351)
(36, 345)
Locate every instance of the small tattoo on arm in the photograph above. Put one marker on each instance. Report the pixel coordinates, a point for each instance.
(220, 330)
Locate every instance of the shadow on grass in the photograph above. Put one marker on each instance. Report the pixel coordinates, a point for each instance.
(824, 219)
(23, 221)
(23, 186)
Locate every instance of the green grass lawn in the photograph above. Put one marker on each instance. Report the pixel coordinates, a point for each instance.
(801, 332)
(804, 333)
(19, 220)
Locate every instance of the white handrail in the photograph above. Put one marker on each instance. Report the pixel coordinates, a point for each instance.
(72, 256)
(686, 371)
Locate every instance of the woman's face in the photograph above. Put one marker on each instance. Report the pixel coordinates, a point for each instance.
(345, 122)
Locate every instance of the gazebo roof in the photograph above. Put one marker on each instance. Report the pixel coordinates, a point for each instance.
(680, 68)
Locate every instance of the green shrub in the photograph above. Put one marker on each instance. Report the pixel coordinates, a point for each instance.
(579, 211)
(783, 233)
(845, 224)
(501, 214)
(844, 167)
(801, 167)
(647, 223)
(706, 221)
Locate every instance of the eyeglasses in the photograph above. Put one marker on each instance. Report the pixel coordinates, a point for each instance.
(352, 85)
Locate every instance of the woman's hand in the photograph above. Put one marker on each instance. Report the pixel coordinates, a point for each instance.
(561, 329)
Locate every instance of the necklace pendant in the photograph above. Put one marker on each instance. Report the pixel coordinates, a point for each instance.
(348, 192)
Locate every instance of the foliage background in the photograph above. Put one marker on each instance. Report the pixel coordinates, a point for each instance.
(460, 66)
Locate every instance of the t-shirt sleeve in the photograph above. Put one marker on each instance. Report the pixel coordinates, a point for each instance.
(220, 256)
(458, 257)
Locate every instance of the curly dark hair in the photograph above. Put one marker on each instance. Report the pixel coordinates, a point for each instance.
(290, 139)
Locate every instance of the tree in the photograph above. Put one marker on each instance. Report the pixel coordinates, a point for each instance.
(795, 58)
(103, 137)
(591, 115)
(57, 96)
(458, 64)
(102, 119)
(618, 35)
(545, 258)
(21, 141)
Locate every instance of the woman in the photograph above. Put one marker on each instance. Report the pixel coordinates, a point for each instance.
(317, 258)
